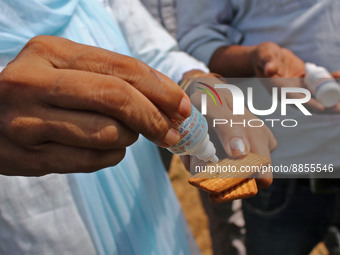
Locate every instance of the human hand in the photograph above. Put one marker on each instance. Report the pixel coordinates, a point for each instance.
(237, 141)
(269, 60)
(67, 107)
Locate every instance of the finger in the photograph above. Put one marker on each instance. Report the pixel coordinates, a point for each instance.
(336, 74)
(112, 97)
(55, 158)
(234, 141)
(264, 180)
(160, 90)
(74, 128)
(271, 68)
(59, 158)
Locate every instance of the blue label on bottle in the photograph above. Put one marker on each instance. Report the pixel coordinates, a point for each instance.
(192, 131)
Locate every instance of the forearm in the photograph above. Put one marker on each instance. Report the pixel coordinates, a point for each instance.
(233, 61)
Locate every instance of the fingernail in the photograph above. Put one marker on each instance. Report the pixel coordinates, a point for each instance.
(238, 147)
(185, 108)
(172, 137)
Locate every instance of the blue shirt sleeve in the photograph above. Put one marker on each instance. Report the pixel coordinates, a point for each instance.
(204, 26)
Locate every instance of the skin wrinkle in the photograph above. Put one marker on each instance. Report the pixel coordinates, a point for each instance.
(72, 114)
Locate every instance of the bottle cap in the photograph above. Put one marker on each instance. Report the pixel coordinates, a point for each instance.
(328, 94)
(206, 151)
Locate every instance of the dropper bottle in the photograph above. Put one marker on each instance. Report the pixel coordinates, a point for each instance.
(195, 139)
(322, 84)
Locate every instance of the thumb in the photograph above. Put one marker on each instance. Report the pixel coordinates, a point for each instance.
(234, 140)
(236, 146)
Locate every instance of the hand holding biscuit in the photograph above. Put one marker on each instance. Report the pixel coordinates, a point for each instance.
(227, 186)
(237, 141)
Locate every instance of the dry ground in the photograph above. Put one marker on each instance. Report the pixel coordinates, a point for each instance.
(193, 210)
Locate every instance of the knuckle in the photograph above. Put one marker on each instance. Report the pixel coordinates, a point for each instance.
(138, 70)
(13, 78)
(16, 79)
(8, 74)
(123, 99)
(123, 66)
(112, 94)
(38, 44)
(105, 137)
(112, 137)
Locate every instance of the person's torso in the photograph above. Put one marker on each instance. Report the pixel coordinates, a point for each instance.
(310, 29)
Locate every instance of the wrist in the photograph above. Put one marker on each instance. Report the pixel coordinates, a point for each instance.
(233, 61)
(252, 53)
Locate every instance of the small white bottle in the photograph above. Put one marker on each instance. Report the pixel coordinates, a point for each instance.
(195, 139)
(322, 84)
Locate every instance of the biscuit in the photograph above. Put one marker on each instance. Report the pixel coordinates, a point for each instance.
(245, 189)
(215, 183)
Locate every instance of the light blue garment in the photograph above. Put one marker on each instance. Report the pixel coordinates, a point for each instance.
(131, 208)
(127, 209)
(145, 38)
(81, 21)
